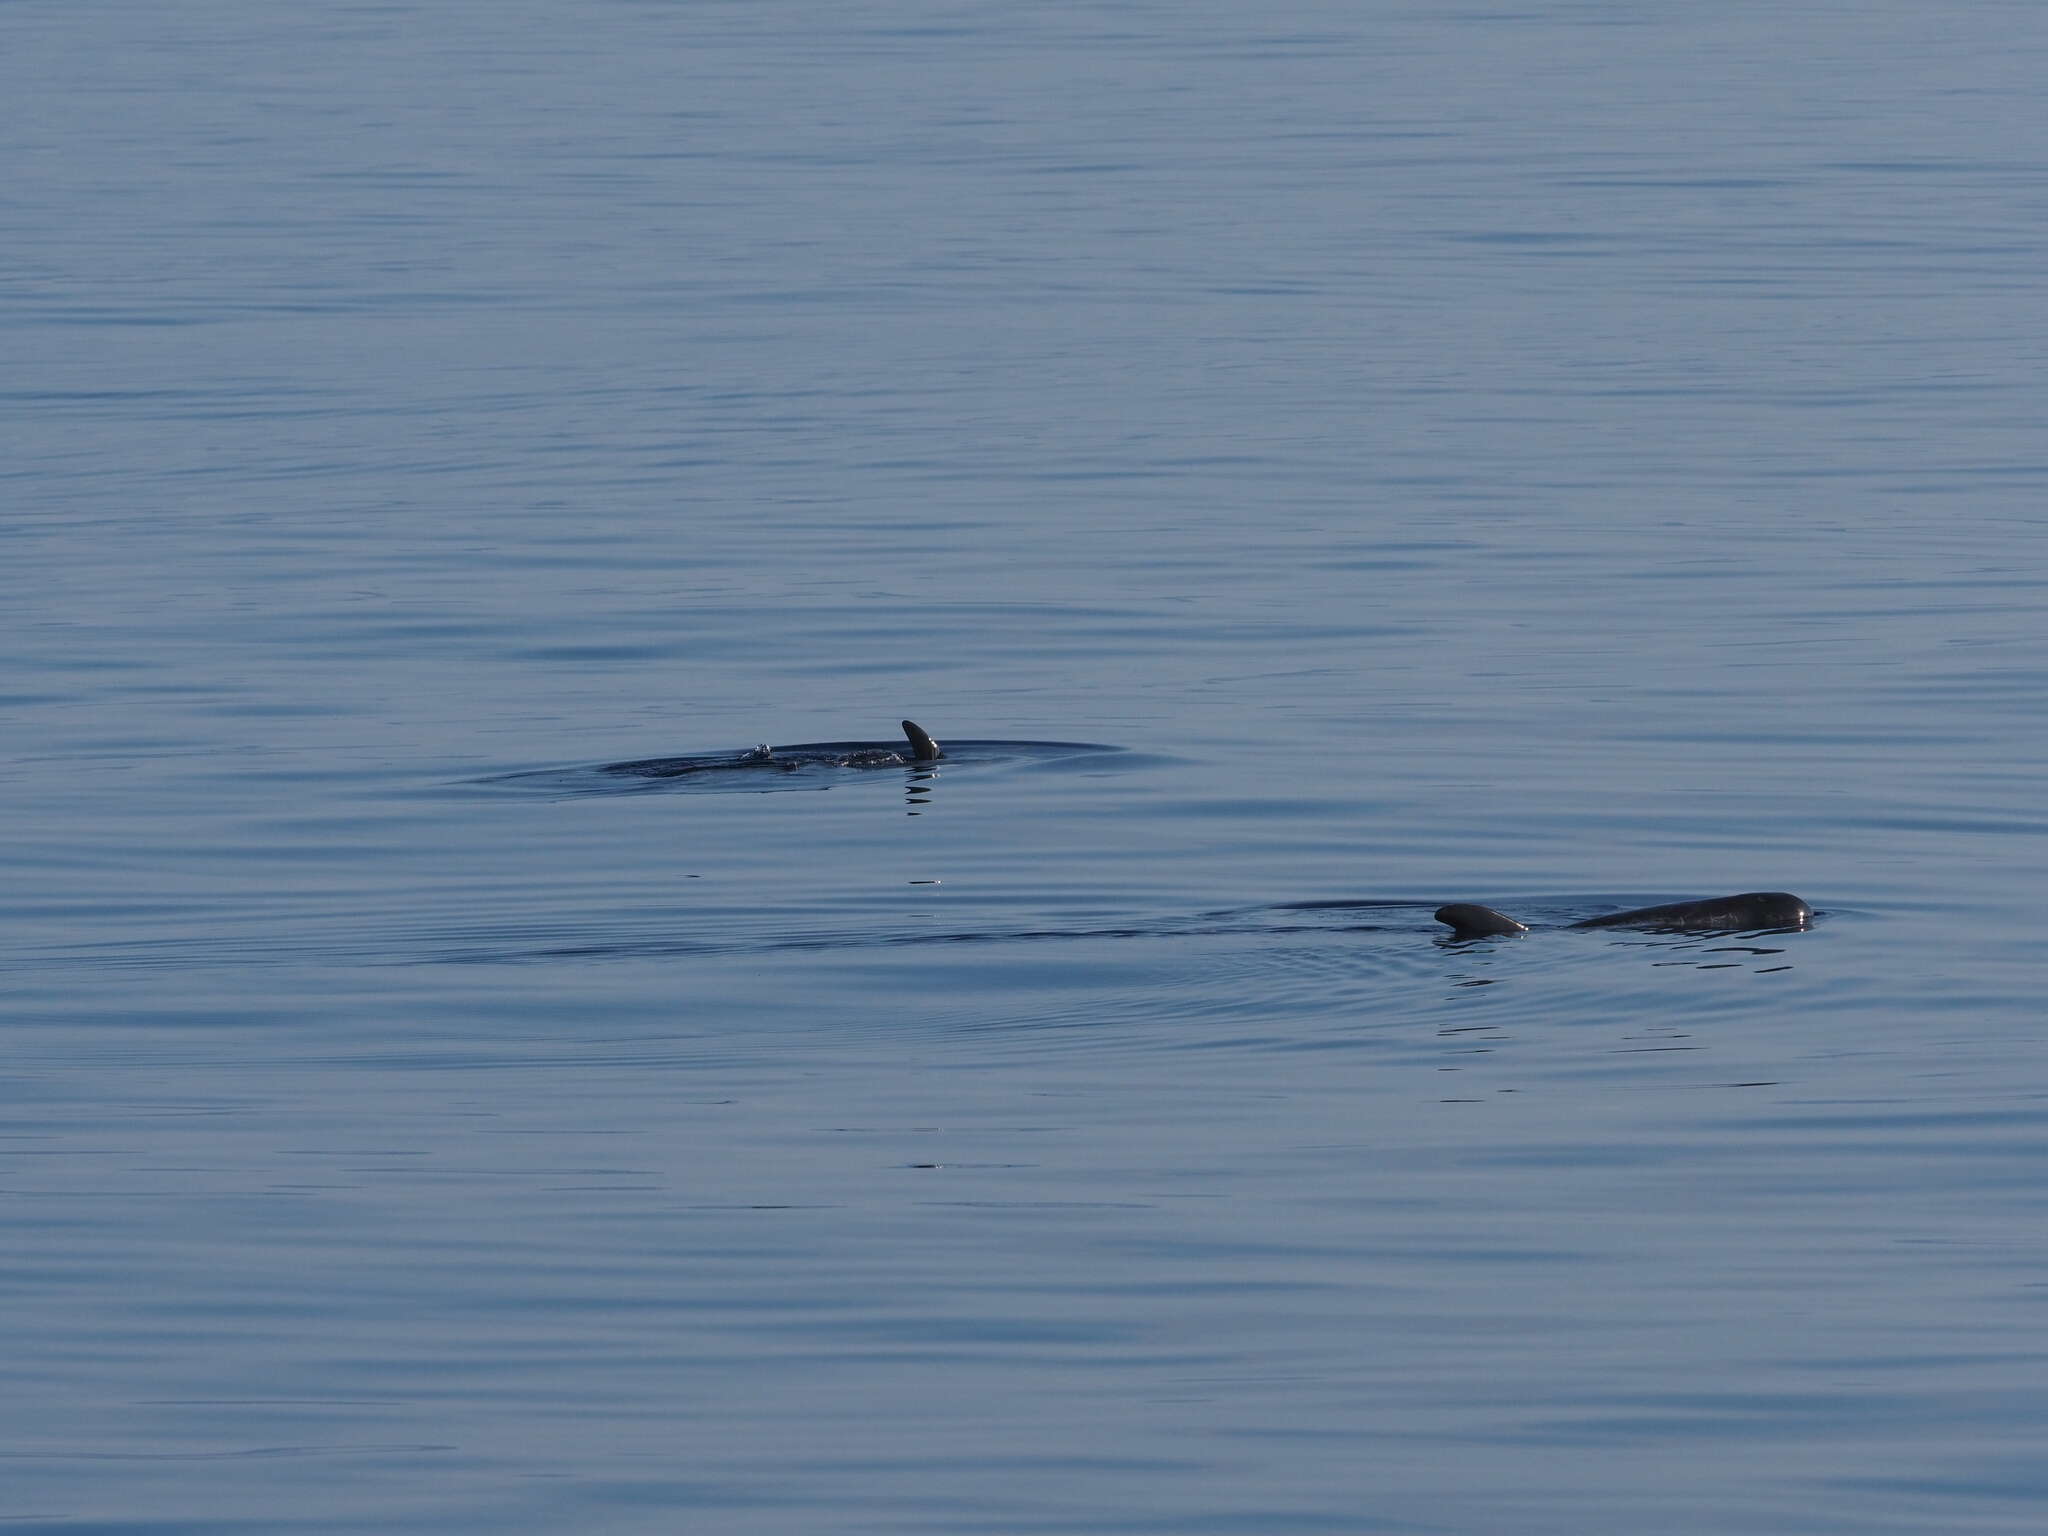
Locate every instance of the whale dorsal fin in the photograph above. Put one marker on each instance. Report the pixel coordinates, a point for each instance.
(922, 748)
(1469, 920)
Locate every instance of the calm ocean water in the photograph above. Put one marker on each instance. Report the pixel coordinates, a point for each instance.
(1561, 456)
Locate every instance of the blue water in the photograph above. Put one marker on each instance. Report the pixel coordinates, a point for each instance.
(1563, 457)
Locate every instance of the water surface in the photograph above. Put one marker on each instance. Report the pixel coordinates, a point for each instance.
(1563, 457)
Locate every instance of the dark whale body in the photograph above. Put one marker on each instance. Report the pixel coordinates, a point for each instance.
(918, 747)
(1750, 909)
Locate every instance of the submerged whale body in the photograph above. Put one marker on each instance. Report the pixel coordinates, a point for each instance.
(1750, 909)
(918, 747)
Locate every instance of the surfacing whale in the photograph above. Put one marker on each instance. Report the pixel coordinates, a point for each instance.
(1750, 909)
(918, 747)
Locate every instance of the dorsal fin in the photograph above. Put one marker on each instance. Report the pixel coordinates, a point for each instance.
(922, 748)
(1469, 920)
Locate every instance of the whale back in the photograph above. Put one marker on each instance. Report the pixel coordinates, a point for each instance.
(1750, 909)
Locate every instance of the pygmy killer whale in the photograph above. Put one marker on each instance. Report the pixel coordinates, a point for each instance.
(1751, 909)
(918, 747)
